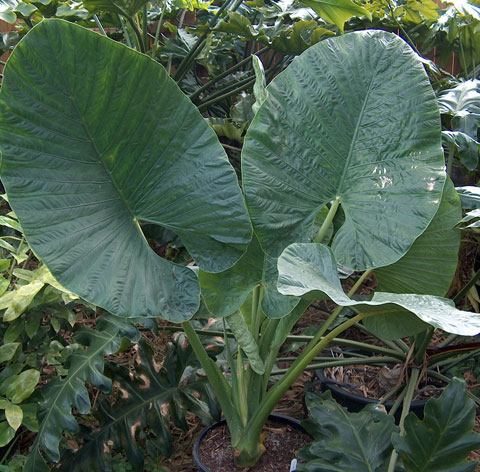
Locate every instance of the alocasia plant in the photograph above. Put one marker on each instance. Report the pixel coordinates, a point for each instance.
(88, 157)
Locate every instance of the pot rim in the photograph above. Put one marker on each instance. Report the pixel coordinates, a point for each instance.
(196, 445)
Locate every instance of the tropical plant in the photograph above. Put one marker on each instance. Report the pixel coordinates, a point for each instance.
(366, 440)
(88, 157)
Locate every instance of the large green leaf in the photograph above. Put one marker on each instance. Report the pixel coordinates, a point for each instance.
(337, 12)
(462, 103)
(61, 395)
(224, 293)
(470, 197)
(427, 268)
(151, 399)
(442, 441)
(310, 267)
(344, 441)
(96, 137)
(339, 122)
(124, 7)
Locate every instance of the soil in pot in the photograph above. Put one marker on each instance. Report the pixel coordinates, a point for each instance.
(282, 442)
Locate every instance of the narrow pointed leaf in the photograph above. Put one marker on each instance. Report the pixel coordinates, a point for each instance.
(329, 128)
(245, 340)
(442, 441)
(310, 267)
(87, 154)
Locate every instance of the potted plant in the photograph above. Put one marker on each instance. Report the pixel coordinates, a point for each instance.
(96, 139)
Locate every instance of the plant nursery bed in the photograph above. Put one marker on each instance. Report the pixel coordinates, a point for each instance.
(282, 441)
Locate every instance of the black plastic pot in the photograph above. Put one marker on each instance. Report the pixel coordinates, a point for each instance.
(355, 403)
(197, 444)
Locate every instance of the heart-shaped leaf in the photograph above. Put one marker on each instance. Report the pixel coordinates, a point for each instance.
(340, 123)
(95, 138)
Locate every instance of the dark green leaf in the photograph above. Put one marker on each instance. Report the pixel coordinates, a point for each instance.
(344, 441)
(442, 441)
(61, 395)
(96, 155)
(151, 399)
(373, 143)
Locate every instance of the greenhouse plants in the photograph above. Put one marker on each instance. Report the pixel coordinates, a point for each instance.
(88, 156)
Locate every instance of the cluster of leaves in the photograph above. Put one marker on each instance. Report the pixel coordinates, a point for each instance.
(364, 441)
(35, 309)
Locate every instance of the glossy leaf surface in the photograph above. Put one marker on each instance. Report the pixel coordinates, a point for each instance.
(428, 267)
(87, 154)
(344, 441)
(339, 122)
(442, 441)
(305, 268)
(470, 196)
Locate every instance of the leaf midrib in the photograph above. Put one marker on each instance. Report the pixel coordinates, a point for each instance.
(90, 137)
(354, 137)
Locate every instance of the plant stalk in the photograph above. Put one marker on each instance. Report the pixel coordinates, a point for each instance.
(328, 220)
(410, 390)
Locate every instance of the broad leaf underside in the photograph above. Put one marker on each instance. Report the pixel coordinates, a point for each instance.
(95, 138)
(340, 122)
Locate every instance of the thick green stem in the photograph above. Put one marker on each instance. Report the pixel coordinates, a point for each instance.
(128, 40)
(422, 345)
(256, 422)
(410, 390)
(220, 386)
(328, 220)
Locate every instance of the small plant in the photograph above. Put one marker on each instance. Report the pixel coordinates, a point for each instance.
(88, 157)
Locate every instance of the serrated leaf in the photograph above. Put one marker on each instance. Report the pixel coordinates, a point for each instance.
(98, 174)
(305, 268)
(442, 441)
(306, 147)
(62, 394)
(344, 441)
(153, 398)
